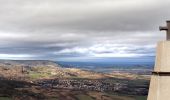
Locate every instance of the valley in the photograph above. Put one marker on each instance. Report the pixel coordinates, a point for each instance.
(47, 80)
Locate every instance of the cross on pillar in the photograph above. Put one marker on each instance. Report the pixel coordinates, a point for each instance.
(167, 29)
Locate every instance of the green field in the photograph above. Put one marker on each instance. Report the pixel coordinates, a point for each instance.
(5, 98)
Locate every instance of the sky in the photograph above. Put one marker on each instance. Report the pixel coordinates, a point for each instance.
(70, 30)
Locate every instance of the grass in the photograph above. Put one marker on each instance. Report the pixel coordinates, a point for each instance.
(5, 98)
(120, 97)
(35, 75)
(84, 97)
(53, 99)
(141, 98)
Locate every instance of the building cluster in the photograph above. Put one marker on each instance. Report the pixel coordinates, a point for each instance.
(86, 84)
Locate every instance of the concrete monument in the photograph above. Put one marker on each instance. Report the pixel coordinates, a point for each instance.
(160, 80)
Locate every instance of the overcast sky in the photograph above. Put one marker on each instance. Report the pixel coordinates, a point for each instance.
(80, 29)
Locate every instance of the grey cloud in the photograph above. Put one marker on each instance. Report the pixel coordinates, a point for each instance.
(77, 16)
(42, 27)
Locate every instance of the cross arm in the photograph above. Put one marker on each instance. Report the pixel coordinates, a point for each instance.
(161, 28)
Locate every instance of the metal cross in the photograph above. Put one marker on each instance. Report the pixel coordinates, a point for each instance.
(167, 29)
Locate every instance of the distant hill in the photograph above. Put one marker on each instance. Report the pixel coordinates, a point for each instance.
(45, 69)
(38, 69)
(25, 69)
(30, 63)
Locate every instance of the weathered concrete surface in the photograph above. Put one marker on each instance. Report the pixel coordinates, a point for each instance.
(159, 88)
(153, 88)
(160, 84)
(162, 63)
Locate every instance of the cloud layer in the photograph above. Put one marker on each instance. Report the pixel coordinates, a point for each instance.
(61, 29)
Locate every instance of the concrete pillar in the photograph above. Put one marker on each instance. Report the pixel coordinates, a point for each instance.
(160, 81)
